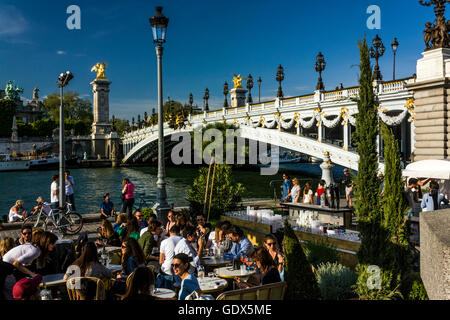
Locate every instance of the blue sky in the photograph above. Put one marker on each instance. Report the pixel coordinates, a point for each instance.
(207, 42)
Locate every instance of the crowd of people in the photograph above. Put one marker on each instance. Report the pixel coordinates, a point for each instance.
(151, 255)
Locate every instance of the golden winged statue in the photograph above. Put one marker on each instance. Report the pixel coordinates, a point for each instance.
(100, 69)
(237, 81)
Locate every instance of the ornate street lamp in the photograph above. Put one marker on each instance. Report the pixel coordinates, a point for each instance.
(205, 99)
(249, 87)
(191, 101)
(63, 80)
(376, 52)
(279, 77)
(394, 46)
(159, 25)
(259, 89)
(320, 66)
(139, 121)
(225, 92)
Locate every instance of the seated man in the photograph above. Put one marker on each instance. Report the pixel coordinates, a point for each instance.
(27, 288)
(140, 218)
(147, 241)
(185, 246)
(241, 245)
(107, 207)
(25, 236)
(41, 204)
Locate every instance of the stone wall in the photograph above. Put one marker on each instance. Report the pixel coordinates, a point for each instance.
(435, 253)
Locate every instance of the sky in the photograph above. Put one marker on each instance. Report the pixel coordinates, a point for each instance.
(207, 41)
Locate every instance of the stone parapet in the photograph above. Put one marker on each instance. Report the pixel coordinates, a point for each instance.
(435, 253)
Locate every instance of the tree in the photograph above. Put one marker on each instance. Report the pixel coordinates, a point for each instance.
(75, 108)
(367, 195)
(226, 193)
(121, 125)
(301, 282)
(7, 112)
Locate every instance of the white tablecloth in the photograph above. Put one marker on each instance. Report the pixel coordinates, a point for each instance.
(212, 284)
(164, 293)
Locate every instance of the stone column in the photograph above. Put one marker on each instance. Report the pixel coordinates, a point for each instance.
(101, 126)
(346, 136)
(238, 97)
(432, 130)
(320, 132)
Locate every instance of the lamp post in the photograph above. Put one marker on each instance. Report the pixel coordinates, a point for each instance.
(394, 46)
(205, 99)
(249, 87)
(159, 28)
(63, 80)
(225, 92)
(320, 66)
(259, 89)
(191, 101)
(376, 52)
(279, 77)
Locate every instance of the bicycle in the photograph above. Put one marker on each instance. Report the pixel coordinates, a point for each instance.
(67, 222)
(143, 203)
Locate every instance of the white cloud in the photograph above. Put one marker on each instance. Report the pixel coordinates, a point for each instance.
(60, 52)
(12, 22)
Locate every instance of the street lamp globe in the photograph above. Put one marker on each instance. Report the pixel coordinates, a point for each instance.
(394, 45)
(159, 26)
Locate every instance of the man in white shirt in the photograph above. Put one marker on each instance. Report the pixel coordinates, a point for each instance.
(167, 249)
(54, 192)
(69, 189)
(185, 246)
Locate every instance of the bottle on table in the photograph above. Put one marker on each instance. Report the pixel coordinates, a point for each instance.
(201, 272)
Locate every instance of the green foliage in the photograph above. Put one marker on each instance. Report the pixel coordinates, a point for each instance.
(226, 193)
(7, 111)
(335, 281)
(75, 108)
(384, 287)
(367, 204)
(397, 250)
(302, 284)
(318, 252)
(146, 212)
(24, 129)
(121, 125)
(44, 128)
(412, 287)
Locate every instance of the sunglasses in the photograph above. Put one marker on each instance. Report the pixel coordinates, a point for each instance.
(26, 233)
(124, 247)
(270, 244)
(176, 265)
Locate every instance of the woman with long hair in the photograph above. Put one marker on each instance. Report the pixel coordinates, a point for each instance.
(17, 212)
(308, 194)
(132, 256)
(181, 222)
(127, 197)
(294, 193)
(132, 230)
(141, 284)
(189, 283)
(431, 201)
(6, 245)
(88, 264)
(107, 235)
(171, 217)
(272, 246)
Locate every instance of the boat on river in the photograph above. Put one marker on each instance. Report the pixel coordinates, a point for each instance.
(13, 164)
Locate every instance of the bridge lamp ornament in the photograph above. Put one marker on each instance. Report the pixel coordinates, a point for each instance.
(63, 81)
(279, 77)
(205, 99)
(377, 51)
(320, 66)
(225, 92)
(394, 46)
(259, 89)
(249, 87)
(191, 101)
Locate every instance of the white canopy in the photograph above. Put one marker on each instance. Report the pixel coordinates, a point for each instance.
(436, 169)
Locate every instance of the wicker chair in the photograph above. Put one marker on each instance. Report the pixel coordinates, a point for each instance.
(74, 294)
(273, 291)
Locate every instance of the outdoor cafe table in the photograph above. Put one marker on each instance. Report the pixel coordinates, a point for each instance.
(164, 293)
(212, 284)
(52, 280)
(226, 273)
(212, 261)
(110, 249)
(114, 267)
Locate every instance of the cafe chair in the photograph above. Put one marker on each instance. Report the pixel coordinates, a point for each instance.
(83, 288)
(273, 291)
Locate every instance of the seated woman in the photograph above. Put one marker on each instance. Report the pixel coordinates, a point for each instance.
(87, 265)
(140, 286)
(106, 208)
(267, 268)
(5, 245)
(132, 230)
(17, 212)
(121, 222)
(189, 283)
(272, 246)
(132, 257)
(107, 235)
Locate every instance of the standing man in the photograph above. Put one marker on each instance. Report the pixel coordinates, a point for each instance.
(54, 198)
(347, 181)
(286, 188)
(69, 189)
(410, 189)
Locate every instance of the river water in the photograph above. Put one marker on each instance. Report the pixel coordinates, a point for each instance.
(91, 184)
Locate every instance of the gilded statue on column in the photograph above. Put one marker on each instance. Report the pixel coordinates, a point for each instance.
(100, 69)
(436, 35)
(237, 81)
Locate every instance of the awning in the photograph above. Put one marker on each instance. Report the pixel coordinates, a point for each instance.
(436, 169)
